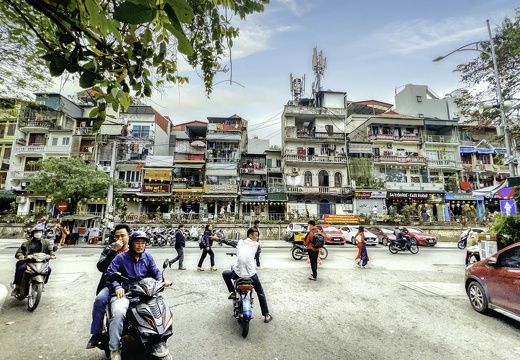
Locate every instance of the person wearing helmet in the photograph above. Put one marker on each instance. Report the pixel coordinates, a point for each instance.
(400, 236)
(134, 264)
(35, 244)
(118, 245)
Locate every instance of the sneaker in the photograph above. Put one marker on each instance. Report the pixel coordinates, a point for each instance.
(115, 355)
(182, 268)
(14, 292)
(312, 278)
(213, 268)
(95, 339)
(200, 269)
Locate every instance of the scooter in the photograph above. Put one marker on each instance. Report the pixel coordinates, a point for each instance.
(472, 254)
(33, 279)
(149, 321)
(299, 251)
(463, 242)
(243, 302)
(411, 245)
(195, 232)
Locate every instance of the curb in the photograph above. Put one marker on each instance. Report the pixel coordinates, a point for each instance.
(3, 295)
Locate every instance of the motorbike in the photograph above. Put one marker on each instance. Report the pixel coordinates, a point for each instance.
(472, 254)
(149, 321)
(463, 242)
(243, 302)
(195, 232)
(33, 279)
(299, 251)
(411, 245)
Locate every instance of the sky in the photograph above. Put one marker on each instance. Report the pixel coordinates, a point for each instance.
(373, 48)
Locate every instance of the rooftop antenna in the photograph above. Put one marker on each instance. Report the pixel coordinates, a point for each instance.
(319, 64)
(297, 87)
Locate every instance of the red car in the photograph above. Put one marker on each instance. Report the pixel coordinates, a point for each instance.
(421, 237)
(494, 283)
(332, 235)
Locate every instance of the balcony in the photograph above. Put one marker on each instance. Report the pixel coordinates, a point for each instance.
(84, 131)
(393, 186)
(316, 159)
(254, 171)
(392, 137)
(253, 190)
(445, 164)
(20, 175)
(446, 139)
(274, 170)
(220, 189)
(28, 125)
(86, 156)
(57, 149)
(400, 159)
(325, 190)
(322, 135)
(360, 148)
(29, 149)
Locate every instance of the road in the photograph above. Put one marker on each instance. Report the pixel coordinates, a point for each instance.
(402, 306)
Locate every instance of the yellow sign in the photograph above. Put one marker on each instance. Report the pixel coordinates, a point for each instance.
(341, 219)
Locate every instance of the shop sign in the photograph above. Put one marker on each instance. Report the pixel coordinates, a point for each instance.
(370, 194)
(406, 195)
(221, 189)
(156, 189)
(341, 219)
(462, 196)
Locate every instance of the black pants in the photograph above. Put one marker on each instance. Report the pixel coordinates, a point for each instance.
(313, 257)
(203, 256)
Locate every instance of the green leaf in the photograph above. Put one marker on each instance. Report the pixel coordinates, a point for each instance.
(182, 9)
(87, 79)
(131, 13)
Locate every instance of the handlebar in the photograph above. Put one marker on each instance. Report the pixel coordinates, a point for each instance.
(231, 254)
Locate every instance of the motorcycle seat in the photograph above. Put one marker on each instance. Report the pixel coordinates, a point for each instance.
(244, 284)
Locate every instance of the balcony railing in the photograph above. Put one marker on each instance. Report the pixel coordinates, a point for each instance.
(21, 174)
(274, 169)
(392, 137)
(441, 139)
(445, 164)
(302, 134)
(84, 131)
(360, 148)
(30, 149)
(414, 186)
(401, 159)
(252, 171)
(316, 158)
(40, 124)
(86, 156)
(314, 189)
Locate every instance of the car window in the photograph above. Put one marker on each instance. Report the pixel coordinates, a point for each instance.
(330, 228)
(413, 230)
(510, 258)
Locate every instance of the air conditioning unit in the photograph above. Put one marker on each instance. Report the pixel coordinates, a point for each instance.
(105, 168)
(479, 162)
(295, 169)
(232, 182)
(389, 145)
(134, 184)
(21, 199)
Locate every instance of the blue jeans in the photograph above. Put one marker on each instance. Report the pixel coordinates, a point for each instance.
(229, 275)
(98, 311)
(118, 307)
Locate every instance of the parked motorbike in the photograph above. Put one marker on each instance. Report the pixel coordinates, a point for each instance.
(243, 302)
(411, 245)
(463, 242)
(33, 279)
(472, 254)
(299, 251)
(149, 321)
(195, 232)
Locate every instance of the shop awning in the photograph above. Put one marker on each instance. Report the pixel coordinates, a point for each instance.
(79, 217)
(252, 198)
(222, 136)
(188, 166)
(220, 196)
(7, 195)
(158, 174)
(485, 151)
(152, 194)
(490, 191)
(221, 172)
(467, 149)
(501, 151)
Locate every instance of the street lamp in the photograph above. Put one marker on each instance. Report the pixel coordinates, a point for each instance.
(499, 89)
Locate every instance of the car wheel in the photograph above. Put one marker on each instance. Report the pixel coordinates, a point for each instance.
(477, 297)
(385, 241)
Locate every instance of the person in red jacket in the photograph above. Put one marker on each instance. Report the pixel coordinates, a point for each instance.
(312, 251)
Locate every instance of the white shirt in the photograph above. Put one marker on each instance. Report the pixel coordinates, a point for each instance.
(245, 265)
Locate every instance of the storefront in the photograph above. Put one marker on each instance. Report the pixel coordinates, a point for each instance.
(365, 201)
(457, 205)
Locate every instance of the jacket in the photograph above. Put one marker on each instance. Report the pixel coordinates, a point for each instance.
(35, 246)
(206, 239)
(106, 257)
(245, 265)
(307, 241)
(180, 240)
(134, 270)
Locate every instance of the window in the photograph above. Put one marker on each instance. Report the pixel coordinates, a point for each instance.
(65, 141)
(7, 153)
(510, 258)
(279, 163)
(141, 131)
(2, 130)
(130, 176)
(11, 128)
(307, 178)
(54, 141)
(419, 98)
(338, 180)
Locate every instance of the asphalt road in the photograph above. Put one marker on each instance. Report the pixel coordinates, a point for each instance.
(402, 306)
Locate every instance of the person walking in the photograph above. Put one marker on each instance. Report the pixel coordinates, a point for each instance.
(362, 255)
(57, 230)
(180, 243)
(259, 250)
(207, 243)
(311, 250)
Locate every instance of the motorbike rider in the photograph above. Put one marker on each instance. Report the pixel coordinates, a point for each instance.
(400, 237)
(119, 245)
(35, 244)
(135, 264)
(472, 246)
(245, 268)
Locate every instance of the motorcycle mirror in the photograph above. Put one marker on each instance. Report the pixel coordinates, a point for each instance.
(165, 263)
(55, 248)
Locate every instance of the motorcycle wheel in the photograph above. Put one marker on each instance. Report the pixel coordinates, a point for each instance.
(393, 249)
(297, 254)
(35, 294)
(245, 327)
(461, 245)
(324, 253)
(414, 249)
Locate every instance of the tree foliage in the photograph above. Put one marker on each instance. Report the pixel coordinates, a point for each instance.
(507, 228)
(69, 180)
(126, 48)
(479, 74)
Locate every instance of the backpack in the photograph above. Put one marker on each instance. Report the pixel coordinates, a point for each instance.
(318, 241)
(201, 242)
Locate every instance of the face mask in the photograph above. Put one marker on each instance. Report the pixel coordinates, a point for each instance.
(38, 235)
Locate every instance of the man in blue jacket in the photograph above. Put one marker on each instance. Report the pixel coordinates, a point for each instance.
(135, 264)
(180, 243)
